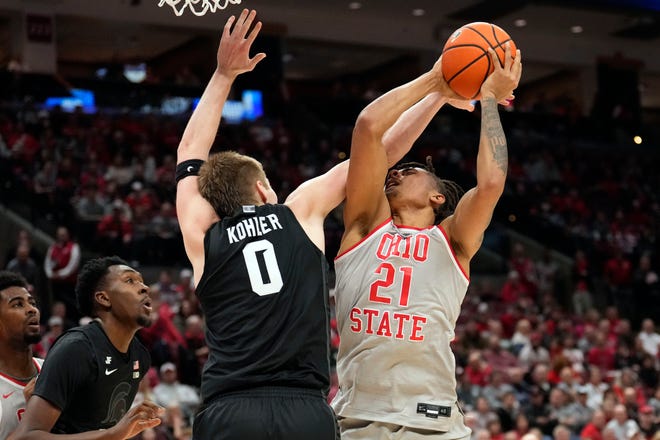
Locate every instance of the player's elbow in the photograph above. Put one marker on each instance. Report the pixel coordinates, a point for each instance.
(492, 186)
(367, 125)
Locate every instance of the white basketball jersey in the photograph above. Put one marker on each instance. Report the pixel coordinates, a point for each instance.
(12, 402)
(399, 293)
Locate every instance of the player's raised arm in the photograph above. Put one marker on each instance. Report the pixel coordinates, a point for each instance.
(378, 143)
(475, 209)
(314, 199)
(195, 214)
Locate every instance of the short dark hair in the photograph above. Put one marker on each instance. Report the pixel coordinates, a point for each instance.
(448, 188)
(11, 279)
(91, 278)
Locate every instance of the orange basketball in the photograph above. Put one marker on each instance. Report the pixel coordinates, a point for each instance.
(465, 59)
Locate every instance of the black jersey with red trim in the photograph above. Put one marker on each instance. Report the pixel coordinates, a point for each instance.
(265, 298)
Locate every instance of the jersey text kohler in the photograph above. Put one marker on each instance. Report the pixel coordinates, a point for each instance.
(253, 227)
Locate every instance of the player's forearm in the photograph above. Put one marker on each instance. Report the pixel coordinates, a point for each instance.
(199, 135)
(399, 139)
(492, 159)
(44, 435)
(383, 112)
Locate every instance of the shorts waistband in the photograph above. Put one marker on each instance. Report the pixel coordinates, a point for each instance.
(269, 391)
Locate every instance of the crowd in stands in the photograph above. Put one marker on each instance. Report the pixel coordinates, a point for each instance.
(580, 361)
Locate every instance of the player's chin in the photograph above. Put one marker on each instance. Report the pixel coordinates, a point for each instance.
(144, 320)
(32, 337)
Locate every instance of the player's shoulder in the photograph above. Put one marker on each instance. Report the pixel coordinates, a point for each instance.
(78, 338)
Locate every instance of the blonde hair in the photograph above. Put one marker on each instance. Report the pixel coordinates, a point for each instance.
(227, 181)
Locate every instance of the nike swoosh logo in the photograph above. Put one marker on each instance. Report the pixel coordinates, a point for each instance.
(109, 372)
(4, 396)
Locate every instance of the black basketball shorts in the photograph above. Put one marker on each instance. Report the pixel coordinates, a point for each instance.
(267, 413)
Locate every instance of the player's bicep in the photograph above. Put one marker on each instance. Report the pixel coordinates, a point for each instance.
(472, 216)
(195, 215)
(366, 204)
(40, 415)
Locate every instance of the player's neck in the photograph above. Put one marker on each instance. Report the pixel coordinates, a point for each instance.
(413, 217)
(119, 334)
(17, 363)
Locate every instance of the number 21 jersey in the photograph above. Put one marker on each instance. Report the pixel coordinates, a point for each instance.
(399, 293)
(265, 299)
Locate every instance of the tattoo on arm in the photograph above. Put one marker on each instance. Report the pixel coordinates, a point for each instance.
(492, 130)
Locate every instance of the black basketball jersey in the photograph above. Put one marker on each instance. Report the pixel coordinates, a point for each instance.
(265, 298)
(89, 380)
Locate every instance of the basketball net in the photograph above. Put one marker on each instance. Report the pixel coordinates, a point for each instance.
(197, 7)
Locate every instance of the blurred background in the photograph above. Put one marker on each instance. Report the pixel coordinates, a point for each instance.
(565, 295)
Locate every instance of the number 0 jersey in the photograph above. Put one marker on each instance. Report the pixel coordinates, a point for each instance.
(265, 299)
(399, 293)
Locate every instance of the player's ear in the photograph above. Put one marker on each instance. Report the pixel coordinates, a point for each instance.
(262, 191)
(102, 298)
(437, 199)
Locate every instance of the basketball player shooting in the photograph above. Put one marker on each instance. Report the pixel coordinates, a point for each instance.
(403, 269)
(259, 267)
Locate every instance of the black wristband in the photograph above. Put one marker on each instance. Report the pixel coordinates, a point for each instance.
(188, 168)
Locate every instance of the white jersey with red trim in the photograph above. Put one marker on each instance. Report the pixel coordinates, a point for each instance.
(398, 296)
(12, 402)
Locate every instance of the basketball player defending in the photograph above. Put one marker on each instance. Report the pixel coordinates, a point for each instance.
(260, 270)
(403, 270)
(19, 328)
(92, 373)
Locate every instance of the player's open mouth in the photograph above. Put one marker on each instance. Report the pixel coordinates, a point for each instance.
(34, 324)
(147, 306)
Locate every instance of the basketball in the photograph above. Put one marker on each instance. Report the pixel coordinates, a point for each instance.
(465, 59)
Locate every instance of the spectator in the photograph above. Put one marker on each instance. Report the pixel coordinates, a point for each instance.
(484, 413)
(55, 329)
(534, 353)
(58, 309)
(165, 230)
(561, 432)
(496, 388)
(596, 388)
(623, 427)
(477, 370)
(61, 266)
(114, 231)
(649, 338)
(537, 411)
(582, 298)
(22, 263)
(581, 413)
(647, 423)
(601, 355)
(171, 393)
(514, 288)
(498, 358)
(91, 204)
(594, 429)
(521, 337)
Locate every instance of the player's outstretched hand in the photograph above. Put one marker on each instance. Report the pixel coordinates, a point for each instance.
(144, 416)
(234, 49)
(503, 81)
